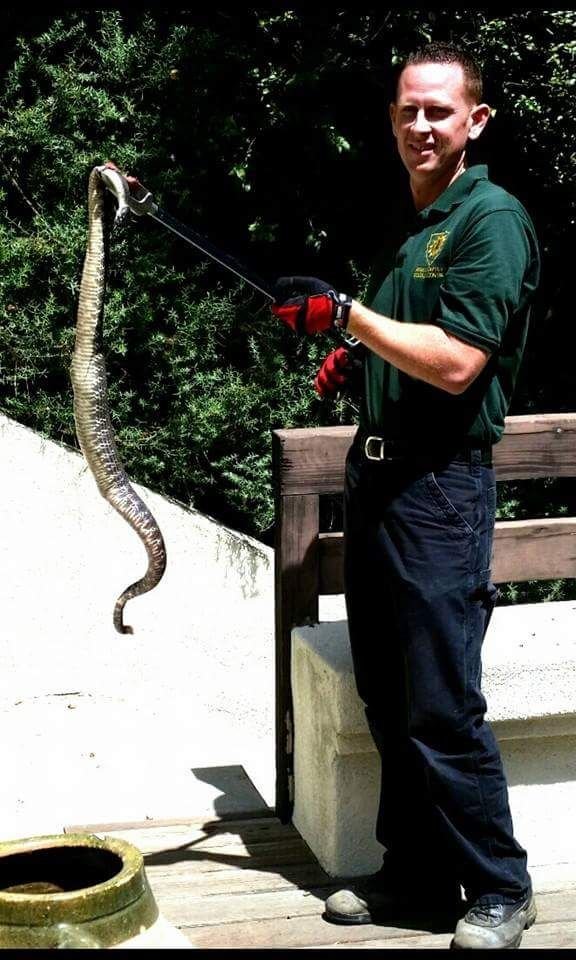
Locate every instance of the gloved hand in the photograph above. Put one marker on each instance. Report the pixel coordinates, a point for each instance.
(309, 305)
(340, 369)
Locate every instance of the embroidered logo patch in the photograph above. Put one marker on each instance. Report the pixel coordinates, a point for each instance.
(434, 246)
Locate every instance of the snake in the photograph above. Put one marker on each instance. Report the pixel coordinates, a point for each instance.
(94, 429)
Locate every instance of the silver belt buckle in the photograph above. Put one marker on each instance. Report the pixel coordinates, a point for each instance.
(372, 456)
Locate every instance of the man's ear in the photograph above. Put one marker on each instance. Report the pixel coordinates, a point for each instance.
(393, 115)
(479, 117)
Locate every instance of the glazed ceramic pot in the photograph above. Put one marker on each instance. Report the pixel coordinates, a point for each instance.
(72, 890)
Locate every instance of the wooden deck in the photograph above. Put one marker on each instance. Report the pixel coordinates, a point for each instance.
(254, 883)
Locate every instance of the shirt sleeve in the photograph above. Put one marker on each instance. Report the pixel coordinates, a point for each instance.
(485, 285)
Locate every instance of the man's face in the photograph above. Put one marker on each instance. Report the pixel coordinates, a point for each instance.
(432, 119)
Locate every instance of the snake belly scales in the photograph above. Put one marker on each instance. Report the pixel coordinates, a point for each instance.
(91, 412)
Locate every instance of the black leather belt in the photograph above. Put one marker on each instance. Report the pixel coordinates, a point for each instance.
(380, 449)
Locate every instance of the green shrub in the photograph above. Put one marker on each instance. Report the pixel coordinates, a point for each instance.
(242, 125)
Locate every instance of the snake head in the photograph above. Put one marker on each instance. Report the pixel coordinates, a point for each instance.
(117, 185)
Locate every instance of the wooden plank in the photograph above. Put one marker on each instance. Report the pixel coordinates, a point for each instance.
(294, 930)
(188, 860)
(190, 909)
(296, 558)
(176, 879)
(154, 823)
(212, 880)
(430, 941)
(226, 859)
(296, 602)
(537, 445)
(219, 866)
(312, 460)
(209, 834)
(534, 549)
(539, 937)
(242, 848)
(231, 857)
(550, 935)
(250, 849)
(523, 550)
(556, 926)
(231, 854)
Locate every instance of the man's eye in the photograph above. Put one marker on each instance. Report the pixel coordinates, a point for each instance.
(437, 113)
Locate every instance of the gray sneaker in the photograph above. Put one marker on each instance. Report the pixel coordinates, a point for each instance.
(496, 926)
(368, 899)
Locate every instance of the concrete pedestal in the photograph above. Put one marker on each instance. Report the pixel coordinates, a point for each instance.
(529, 680)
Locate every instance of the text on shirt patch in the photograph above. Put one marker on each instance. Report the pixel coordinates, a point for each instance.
(434, 246)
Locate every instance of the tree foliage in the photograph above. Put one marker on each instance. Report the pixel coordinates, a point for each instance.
(269, 133)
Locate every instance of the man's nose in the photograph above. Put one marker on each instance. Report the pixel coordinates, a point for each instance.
(421, 124)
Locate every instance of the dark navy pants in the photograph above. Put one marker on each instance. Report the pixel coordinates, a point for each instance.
(418, 540)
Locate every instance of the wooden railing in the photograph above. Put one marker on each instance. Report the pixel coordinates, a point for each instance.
(308, 463)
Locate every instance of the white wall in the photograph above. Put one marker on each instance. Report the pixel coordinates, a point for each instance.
(195, 681)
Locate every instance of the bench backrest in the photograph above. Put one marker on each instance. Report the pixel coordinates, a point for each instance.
(309, 463)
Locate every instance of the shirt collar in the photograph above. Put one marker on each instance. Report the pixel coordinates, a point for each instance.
(456, 192)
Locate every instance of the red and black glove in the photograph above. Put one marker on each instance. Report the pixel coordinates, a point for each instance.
(339, 371)
(309, 305)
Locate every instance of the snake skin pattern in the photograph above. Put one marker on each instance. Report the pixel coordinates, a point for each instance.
(91, 412)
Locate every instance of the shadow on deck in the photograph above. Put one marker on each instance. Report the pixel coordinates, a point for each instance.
(248, 881)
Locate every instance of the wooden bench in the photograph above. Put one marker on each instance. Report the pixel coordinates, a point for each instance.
(309, 463)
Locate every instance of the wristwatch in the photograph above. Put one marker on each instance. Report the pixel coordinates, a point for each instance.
(342, 310)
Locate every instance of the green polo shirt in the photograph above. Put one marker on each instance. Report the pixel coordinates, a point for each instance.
(470, 264)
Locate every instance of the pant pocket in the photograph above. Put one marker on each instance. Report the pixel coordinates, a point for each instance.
(455, 492)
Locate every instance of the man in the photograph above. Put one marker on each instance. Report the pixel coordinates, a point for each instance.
(442, 341)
